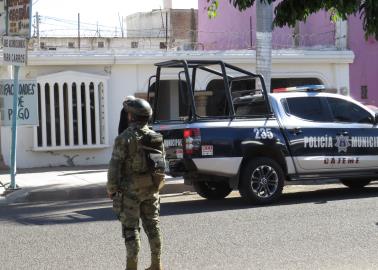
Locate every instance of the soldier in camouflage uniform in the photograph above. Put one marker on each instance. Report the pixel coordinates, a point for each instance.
(134, 189)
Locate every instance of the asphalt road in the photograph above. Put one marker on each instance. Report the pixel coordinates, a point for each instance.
(312, 227)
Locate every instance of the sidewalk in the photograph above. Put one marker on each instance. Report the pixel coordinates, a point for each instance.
(67, 183)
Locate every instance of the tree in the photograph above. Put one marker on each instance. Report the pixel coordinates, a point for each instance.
(288, 12)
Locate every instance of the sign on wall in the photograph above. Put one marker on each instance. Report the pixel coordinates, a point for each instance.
(15, 51)
(19, 12)
(27, 114)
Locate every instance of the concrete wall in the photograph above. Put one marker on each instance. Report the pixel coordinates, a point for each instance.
(61, 43)
(153, 24)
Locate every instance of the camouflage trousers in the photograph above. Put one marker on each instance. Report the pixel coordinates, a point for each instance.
(145, 206)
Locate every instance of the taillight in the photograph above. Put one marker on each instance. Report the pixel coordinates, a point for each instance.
(192, 140)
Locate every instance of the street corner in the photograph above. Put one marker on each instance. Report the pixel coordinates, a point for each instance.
(9, 196)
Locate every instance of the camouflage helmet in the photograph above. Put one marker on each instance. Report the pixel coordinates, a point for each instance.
(139, 107)
(128, 98)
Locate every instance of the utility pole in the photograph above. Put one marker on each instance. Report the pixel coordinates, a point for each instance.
(78, 30)
(264, 16)
(37, 23)
(166, 31)
(250, 32)
(121, 24)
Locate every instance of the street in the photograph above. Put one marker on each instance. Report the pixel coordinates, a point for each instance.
(311, 227)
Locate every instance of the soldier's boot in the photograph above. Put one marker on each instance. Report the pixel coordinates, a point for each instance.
(155, 264)
(131, 264)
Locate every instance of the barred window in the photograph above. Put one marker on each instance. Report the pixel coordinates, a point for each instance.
(71, 115)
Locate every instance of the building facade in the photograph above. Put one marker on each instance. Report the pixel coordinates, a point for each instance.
(232, 29)
(178, 27)
(80, 95)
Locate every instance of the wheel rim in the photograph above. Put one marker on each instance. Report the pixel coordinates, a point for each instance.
(210, 186)
(264, 181)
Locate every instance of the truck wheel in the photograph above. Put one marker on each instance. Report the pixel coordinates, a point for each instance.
(262, 181)
(354, 183)
(212, 190)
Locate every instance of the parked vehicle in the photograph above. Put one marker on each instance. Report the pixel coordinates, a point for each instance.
(255, 141)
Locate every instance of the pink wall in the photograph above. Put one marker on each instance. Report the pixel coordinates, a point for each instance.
(231, 29)
(364, 70)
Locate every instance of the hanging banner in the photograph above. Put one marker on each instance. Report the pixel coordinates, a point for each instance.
(19, 16)
(27, 101)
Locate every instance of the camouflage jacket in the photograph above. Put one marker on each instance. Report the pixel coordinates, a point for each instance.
(119, 168)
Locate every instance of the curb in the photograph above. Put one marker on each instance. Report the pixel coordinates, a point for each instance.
(78, 193)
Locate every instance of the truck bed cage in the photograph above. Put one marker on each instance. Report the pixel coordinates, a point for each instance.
(204, 65)
(207, 66)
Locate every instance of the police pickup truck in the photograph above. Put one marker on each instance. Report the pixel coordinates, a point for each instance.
(256, 142)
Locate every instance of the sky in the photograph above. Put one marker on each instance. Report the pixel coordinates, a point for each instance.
(61, 16)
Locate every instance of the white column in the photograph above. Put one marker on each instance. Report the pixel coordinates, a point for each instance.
(103, 108)
(79, 117)
(52, 115)
(70, 114)
(341, 34)
(341, 75)
(35, 137)
(61, 115)
(43, 114)
(106, 119)
(97, 112)
(88, 113)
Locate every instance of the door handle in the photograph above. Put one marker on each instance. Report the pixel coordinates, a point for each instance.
(344, 133)
(296, 131)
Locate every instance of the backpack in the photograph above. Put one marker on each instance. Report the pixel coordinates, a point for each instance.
(147, 158)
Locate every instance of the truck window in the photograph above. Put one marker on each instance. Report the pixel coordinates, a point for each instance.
(348, 112)
(307, 108)
(250, 105)
(172, 101)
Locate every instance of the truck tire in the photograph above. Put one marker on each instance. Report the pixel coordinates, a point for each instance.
(262, 181)
(212, 190)
(354, 183)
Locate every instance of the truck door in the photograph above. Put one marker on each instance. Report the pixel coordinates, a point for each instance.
(356, 142)
(310, 133)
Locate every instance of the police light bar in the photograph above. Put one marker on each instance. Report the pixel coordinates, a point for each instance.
(304, 88)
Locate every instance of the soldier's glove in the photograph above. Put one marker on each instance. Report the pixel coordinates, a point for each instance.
(111, 195)
(117, 198)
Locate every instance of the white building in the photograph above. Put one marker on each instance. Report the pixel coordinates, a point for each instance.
(99, 80)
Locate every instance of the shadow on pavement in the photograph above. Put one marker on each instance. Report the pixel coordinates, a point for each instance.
(100, 210)
(54, 213)
(93, 168)
(317, 197)
(83, 172)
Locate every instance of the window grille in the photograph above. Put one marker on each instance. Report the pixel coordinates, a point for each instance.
(72, 115)
(364, 92)
(100, 44)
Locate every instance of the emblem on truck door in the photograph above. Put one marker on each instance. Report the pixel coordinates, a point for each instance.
(342, 143)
